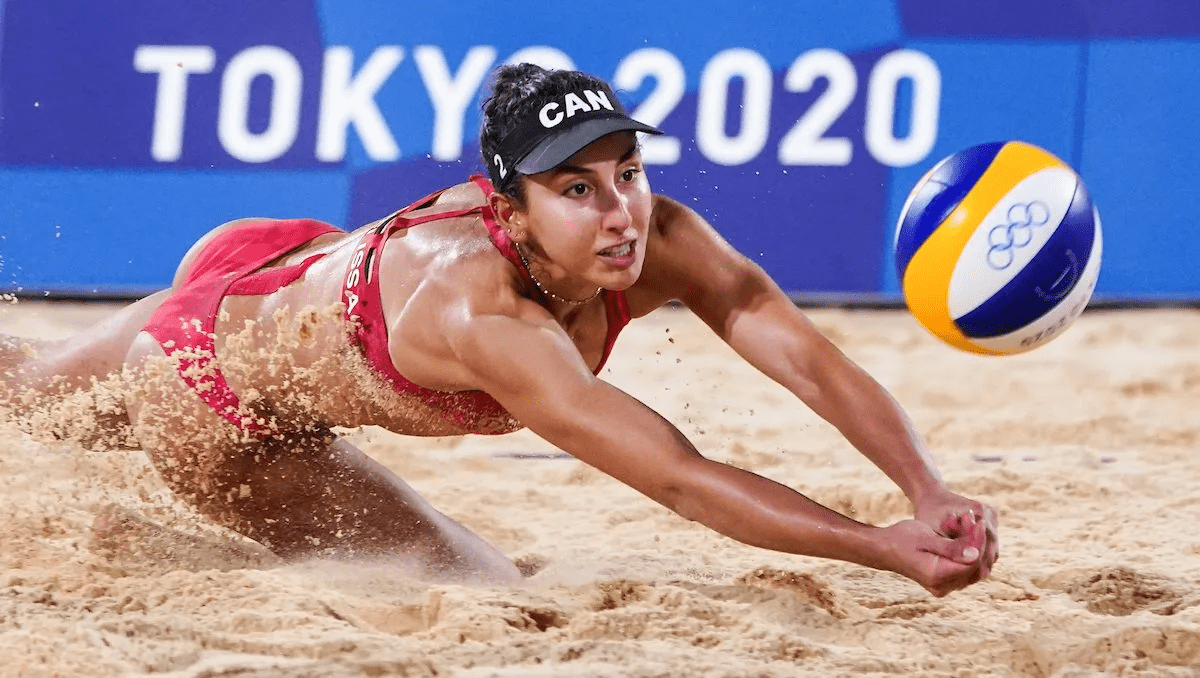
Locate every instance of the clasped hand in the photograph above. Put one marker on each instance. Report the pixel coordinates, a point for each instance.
(951, 543)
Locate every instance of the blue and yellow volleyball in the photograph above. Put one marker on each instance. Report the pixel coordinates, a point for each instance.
(998, 248)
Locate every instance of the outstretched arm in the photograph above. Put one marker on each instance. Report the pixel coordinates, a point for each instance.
(747, 309)
(535, 371)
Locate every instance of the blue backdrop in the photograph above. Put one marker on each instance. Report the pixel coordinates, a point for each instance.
(130, 127)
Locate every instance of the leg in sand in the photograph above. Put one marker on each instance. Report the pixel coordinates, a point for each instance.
(13, 352)
(34, 370)
(124, 536)
(35, 376)
(303, 494)
(56, 367)
(72, 389)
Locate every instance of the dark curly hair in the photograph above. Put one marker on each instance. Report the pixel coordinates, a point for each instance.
(516, 93)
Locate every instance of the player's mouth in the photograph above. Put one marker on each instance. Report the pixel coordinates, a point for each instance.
(621, 254)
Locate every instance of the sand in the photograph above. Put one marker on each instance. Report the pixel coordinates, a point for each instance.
(1089, 446)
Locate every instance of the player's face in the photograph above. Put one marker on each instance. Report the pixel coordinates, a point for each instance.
(589, 217)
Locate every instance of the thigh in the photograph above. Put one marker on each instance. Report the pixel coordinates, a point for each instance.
(301, 493)
(74, 389)
(96, 353)
(185, 439)
(327, 498)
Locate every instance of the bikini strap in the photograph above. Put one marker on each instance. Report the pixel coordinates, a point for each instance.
(616, 309)
(360, 291)
(361, 296)
(399, 220)
(500, 237)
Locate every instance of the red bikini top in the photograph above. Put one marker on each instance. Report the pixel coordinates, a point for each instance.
(475, 411)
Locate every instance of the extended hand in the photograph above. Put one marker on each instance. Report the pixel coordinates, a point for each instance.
(954, 516)
(937, 562)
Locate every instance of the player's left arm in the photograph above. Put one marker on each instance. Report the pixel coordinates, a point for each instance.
(689, 261)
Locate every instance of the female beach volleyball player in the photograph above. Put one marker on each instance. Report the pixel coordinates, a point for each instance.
(484, 308)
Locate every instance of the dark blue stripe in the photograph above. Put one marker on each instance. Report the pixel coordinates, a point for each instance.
(1041, 19)
(952, 179)
(1033, 292)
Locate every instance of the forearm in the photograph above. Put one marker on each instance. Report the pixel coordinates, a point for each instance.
(874, 423)
(784, 346)
(760, 512)
(637, 446)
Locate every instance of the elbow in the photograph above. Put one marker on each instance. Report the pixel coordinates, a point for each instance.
(676, 489)
(685, 495)
(687, 508)
(804, 369)
(673, 496)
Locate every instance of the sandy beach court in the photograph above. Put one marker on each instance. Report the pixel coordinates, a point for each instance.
(1089, 447)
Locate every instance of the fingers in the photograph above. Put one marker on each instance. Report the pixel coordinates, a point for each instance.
(965, 548)
(988, 519)
(972, 543)
(951, 526)
(978, 523)
(992, 552)
(966, 544)
(960, 562)
(955, 524)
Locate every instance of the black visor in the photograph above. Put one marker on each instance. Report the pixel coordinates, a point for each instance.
(561, 127)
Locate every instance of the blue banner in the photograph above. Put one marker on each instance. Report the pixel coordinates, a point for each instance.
(128, 128)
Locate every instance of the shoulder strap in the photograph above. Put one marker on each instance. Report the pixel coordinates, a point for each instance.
(399, 219)
(361, 295)
(499, 236)
(616, 309)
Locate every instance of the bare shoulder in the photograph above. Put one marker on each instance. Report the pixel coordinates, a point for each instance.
(686, 258)
(448, 291)
(458, 196)
(673, 223)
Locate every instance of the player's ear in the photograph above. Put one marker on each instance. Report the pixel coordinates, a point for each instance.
(509, 215)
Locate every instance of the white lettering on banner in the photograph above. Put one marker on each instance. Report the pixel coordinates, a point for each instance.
(878, 129)
(806, 143)
(173, 64)
(670, 84)
(233, 118)
(348, 99)
(713, 105)
(451, 94)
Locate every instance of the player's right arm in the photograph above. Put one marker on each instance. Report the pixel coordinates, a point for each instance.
(533, 369)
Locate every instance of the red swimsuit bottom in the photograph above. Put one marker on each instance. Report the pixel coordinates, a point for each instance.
(229, 265)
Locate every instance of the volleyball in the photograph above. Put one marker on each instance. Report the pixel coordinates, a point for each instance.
(998, 248)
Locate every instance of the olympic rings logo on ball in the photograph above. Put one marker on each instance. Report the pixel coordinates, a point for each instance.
(1017, 233)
